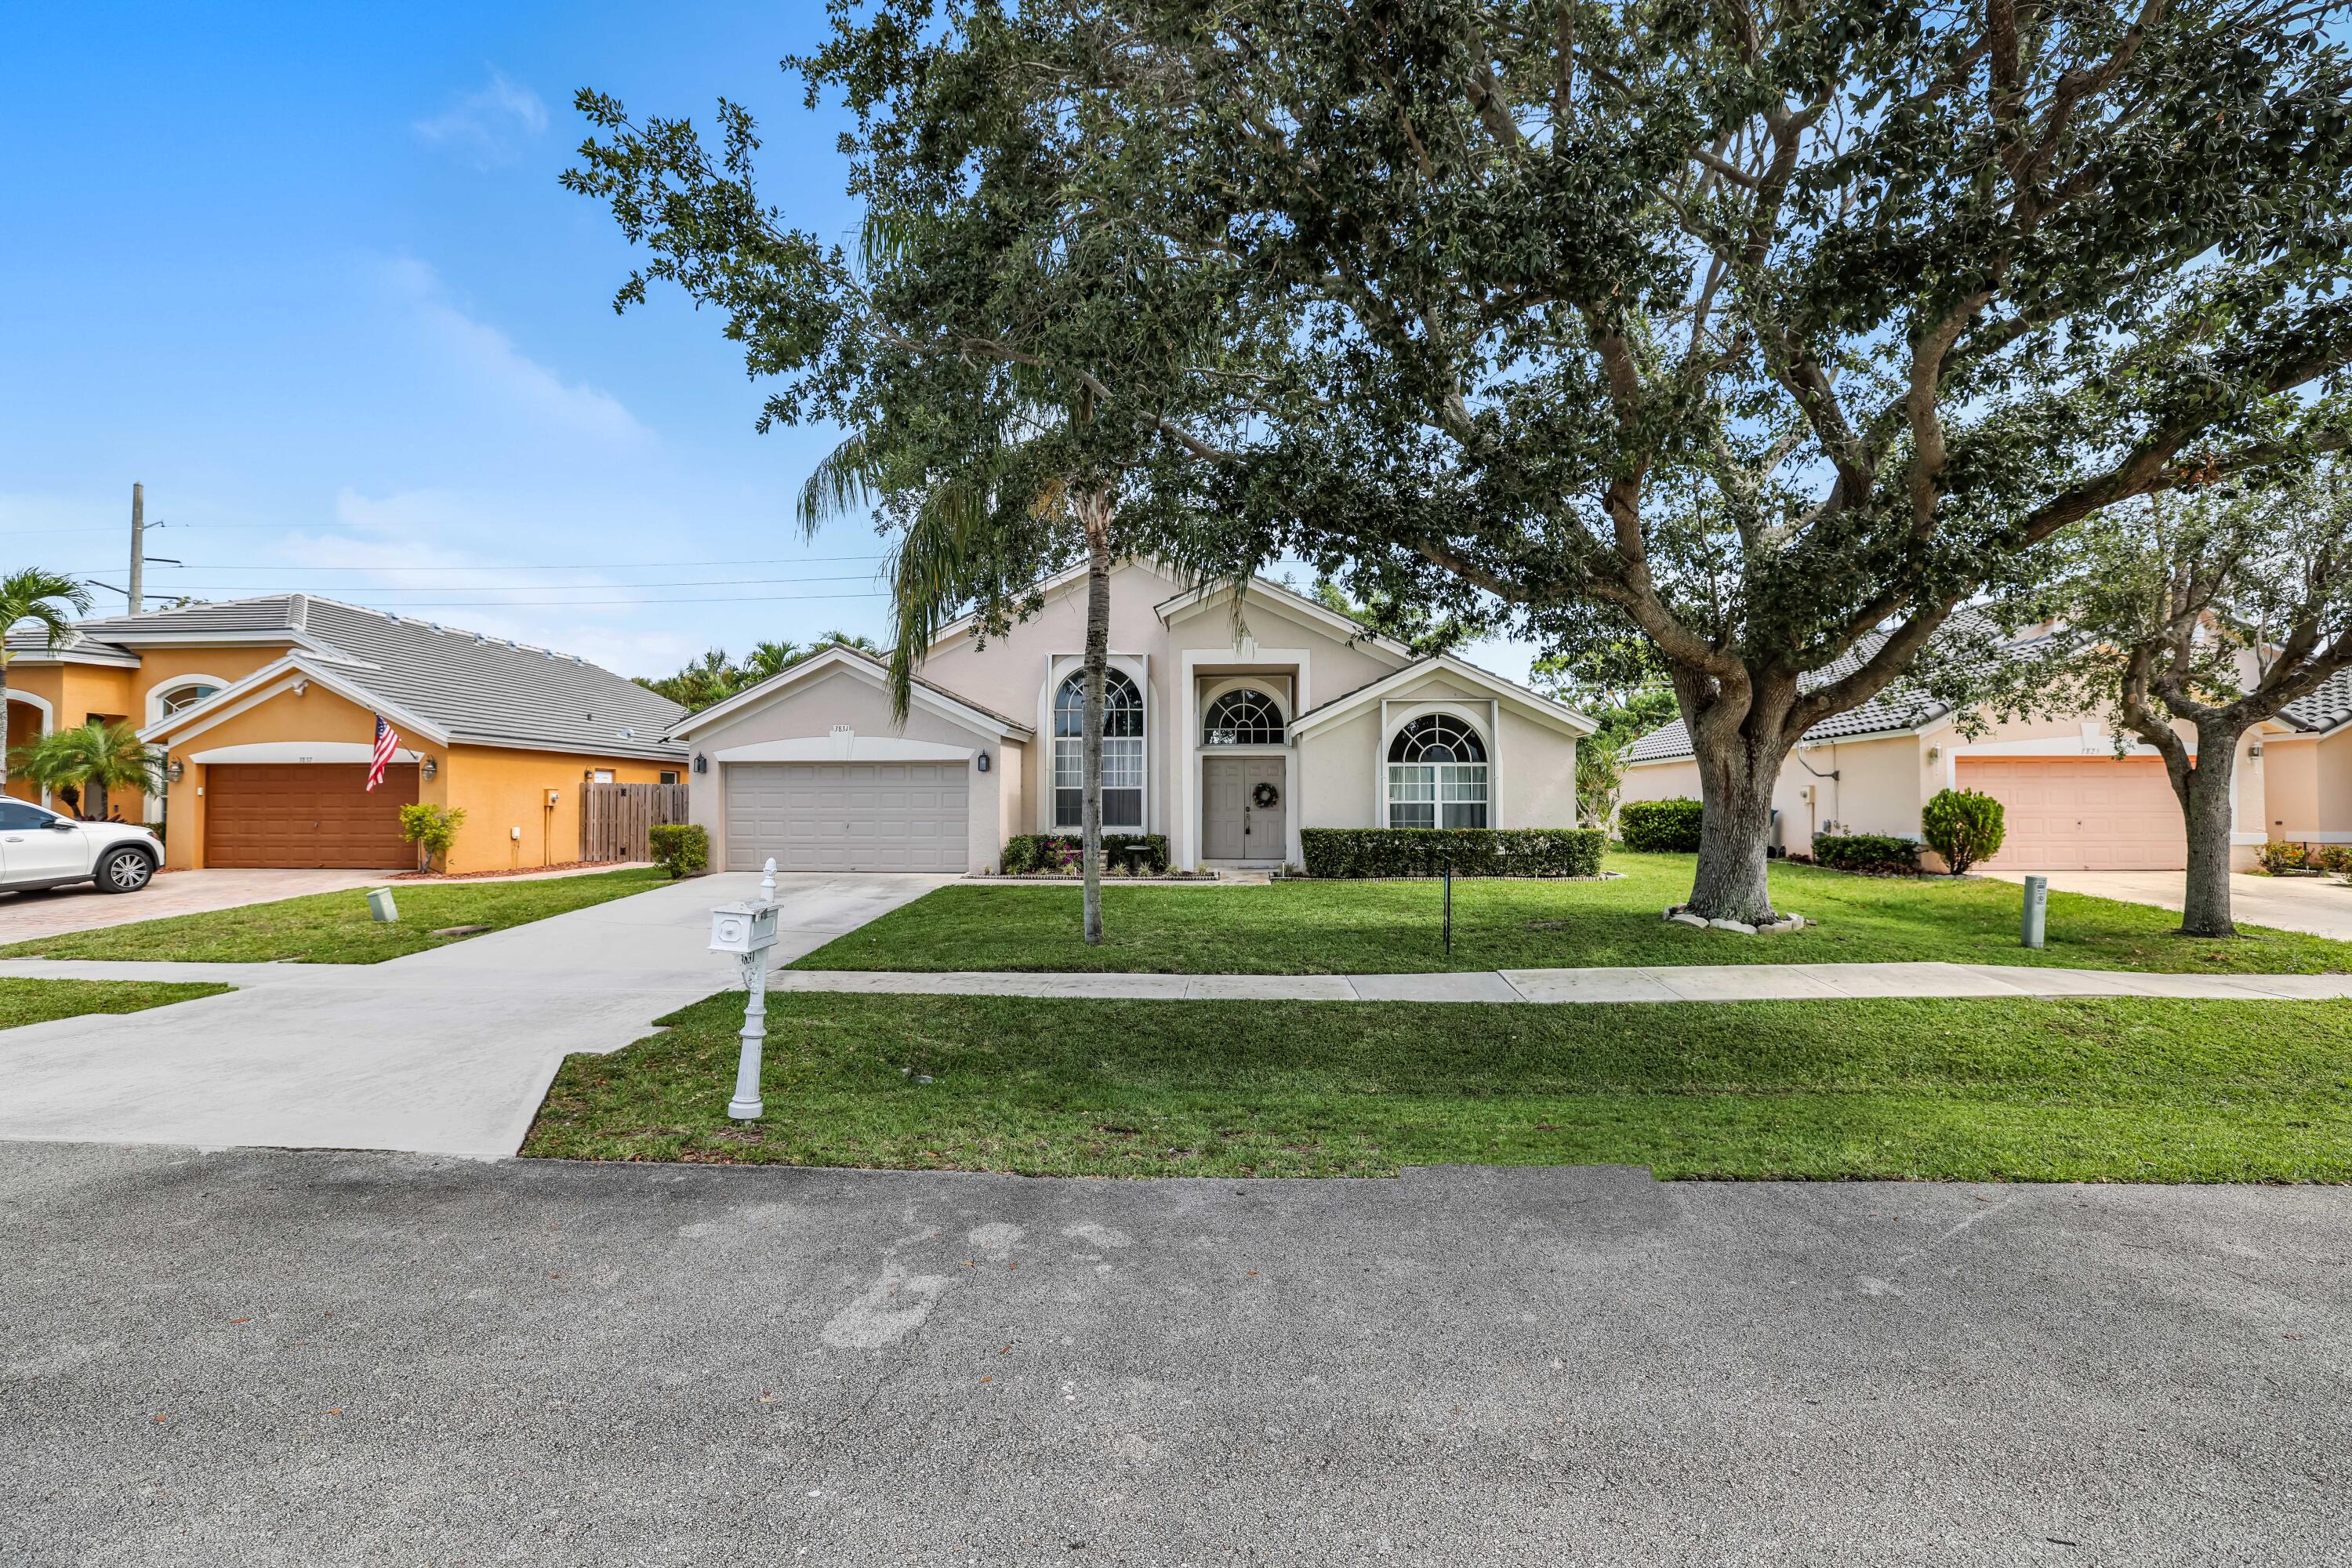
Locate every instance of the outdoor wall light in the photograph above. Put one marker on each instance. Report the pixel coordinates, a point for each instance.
(980, 761)
(177, 770)
(430, 767)
(702, 763)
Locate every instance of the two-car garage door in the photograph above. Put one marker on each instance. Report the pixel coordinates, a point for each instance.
(2082, 814)
(307, 815)
(848, 817)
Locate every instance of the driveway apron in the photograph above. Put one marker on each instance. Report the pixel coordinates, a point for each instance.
(445, 1052)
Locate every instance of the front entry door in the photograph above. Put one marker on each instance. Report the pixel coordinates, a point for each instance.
(1234, 827)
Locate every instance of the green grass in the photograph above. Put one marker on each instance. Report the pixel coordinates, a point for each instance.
(334, 928)
(1370, 927)
(2026, 1090)
(38, 1001)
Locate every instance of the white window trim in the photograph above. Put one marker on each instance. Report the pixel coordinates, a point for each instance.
(1060, 666)
(1396, 714)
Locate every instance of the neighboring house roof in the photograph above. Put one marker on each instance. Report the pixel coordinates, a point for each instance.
(1891, 712)
(1524, 698)
(29, 644)
(460, 687)
(2324, 708)
(841, 656)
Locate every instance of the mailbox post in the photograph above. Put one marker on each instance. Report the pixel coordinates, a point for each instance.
(2037, 910)
(749, 931)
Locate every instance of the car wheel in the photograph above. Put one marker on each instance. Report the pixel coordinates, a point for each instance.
(124, 871)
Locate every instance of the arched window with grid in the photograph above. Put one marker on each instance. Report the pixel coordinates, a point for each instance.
(1243, 718)
(1122, 795)
(1437, 774)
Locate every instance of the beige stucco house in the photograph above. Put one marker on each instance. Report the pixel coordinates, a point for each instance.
(2073, 799)
(1226, 730)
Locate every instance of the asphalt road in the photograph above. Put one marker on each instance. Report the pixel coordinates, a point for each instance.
(318, 1358)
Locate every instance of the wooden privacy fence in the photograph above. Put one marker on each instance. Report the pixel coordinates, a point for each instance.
(616, 818)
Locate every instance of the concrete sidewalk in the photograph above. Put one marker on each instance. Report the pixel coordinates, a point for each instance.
(1695, 982)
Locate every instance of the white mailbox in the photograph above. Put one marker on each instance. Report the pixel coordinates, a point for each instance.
(742, 928)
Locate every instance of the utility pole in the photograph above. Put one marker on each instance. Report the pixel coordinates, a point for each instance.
(137, 548)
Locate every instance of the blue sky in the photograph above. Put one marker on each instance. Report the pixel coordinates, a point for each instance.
(308, 274)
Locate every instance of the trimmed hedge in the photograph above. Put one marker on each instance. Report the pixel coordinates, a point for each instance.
(680, 849)
(1026, 853)
(1471, 851)
(1878, 854)
(1963, 826)
(1661, 826)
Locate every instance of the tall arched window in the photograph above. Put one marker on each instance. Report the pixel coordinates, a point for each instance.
(1243, 718)
(1437, 774)
(1122, 795)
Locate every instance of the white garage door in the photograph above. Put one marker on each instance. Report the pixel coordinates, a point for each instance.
(848, 817)
(2082, 814)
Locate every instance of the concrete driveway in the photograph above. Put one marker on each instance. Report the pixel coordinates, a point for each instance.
(442, 1052)
(53, 911)
(2314, 904)
(266, 1358)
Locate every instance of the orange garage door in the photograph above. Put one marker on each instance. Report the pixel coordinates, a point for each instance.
(307, 815)
(2082, 814)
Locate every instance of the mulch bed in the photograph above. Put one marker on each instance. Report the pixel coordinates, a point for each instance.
(494, 875)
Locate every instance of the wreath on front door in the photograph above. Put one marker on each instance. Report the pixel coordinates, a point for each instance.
(1263, 795)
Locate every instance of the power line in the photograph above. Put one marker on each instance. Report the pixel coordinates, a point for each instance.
(546, 565)
(566, 587)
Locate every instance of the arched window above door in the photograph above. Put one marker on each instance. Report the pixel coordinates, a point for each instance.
(1243, 718)
(183, 696)
(1122, 795)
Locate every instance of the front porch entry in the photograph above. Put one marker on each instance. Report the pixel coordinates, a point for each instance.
(1234, 825)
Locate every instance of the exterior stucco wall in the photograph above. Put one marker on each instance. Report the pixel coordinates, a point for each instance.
(503, 789)
(1539, 783)
(2309, 788)
(810, 711)
(1340, 773)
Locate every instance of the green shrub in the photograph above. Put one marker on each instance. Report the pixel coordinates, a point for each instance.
(680, 849)
(1661, 826)
(1877, 854)
(1471, 851)
(1026, 853)
(2334, 858)
(1963, 826)
(2280, 856)
(431, 828)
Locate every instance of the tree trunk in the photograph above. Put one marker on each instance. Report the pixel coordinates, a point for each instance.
(4, 716)
(1739, 764)
(1094, 511)
(2205, 804)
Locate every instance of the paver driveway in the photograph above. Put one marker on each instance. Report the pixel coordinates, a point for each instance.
(53, 911)
(447, 1052)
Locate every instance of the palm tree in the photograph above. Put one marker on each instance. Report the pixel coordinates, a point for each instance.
(973, 528)
(40, 596)
(93, 756)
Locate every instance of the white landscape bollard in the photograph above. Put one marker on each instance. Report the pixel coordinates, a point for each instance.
(749, 931)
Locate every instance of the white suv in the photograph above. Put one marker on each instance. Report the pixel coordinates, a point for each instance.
(39, 849)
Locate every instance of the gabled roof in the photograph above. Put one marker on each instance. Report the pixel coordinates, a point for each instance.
(1894, 711)
(1289, 598)
(461, 686)
(858, 661)
(1524, 700)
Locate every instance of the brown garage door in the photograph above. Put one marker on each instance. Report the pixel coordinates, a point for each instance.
(2082, 814)
(307, 815)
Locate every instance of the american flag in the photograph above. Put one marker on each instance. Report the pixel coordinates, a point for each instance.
(387, 740)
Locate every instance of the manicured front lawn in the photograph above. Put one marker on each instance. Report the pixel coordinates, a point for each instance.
(38, 1001)
(2075, 1090)
(334, 928)
(1370, 928)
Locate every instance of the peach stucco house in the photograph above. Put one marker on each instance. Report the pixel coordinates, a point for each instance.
(263, 711)
(2074, 800)
(1226, 733)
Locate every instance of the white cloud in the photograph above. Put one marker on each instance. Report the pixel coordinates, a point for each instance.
(489, 358)
(489, 127)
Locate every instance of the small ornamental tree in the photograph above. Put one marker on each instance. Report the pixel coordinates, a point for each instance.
(431, 828)
(1963, 826)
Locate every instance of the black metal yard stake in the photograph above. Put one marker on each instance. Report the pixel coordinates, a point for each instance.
(1449, 908)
